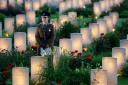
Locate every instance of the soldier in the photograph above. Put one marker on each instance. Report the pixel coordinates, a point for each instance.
(44, 33)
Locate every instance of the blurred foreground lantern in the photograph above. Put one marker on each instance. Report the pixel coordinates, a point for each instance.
(20, 41)
(120, 54)
(94, 27)
(6, 44)
(3, 4)
(9, 25)
(38, 65)
(76, 42)
(20, 20)
(31, 36)
(31, 17)
(98, 77)
(124, 44)
(110, 65)
(65, 45)
(0, 29)
(20, 76)
(86, 36)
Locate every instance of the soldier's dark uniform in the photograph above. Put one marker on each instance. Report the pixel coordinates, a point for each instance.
(44, 36)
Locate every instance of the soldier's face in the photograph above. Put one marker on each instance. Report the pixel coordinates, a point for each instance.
(45, 19)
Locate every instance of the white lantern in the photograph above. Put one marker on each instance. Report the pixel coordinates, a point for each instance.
(72, 15)
(3, 4)
(86, 36)
(102, 6)
(81, 3)
(31, 36)
(63, 19)
(62, 6)
(6, 44)
(20, 76)
(20, 20)
(124, 44)
(98, 77)
(38, 65)
(114, 17)
(97, 9)
(19, 2)
(76, 41)
(36, 5)
(120, 54)
(31, 17)
(28, 5)
(20, 41)
(102, 27)
(109, 23)
(110, 65)
(12, 3)
(0, 29)
(65, 44)
(9, 25)
(43, 2)
(94, 27)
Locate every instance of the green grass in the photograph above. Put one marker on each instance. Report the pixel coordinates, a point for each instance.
(122, 81)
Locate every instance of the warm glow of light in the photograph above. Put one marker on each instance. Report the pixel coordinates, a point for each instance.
(36, 5)
(31, 17)
(97, 9)
(20, 20)
(72, 15)
(102, 27)
(28, 5)
(63, 19)
(3, 4)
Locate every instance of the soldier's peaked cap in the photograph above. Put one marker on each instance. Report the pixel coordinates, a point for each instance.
(45, 13)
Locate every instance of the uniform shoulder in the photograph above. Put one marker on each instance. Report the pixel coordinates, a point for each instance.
(39, 25)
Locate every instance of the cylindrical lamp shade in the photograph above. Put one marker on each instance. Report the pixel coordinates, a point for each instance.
(20, 76)
(94, 27)
(86, 36)
(102, 27)
(20, 41)
(109, 23)
(19, 2)
(38, 64)
(20, 20)
(120, 54)
(114, 17)
(6, 44)
(97, 9)
(72, 15)
(124, 44)
(65, 45)
(31, 36)
(9, 25)
(63, 19)
(110, 65)
(98, 77)
(12, 2)
(31, 17)
(76, 42)
(3, 4)
(0, 29)
(36, 5)
(28, 5)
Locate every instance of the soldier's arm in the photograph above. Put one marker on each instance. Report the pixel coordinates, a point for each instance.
(37, 36)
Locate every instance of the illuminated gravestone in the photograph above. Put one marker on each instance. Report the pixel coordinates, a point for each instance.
(9, 25)
(124, 44)
(102, 26)
(6, 44)
(31, 17)
(3, 4)
(86, 36)
(20, 20)
(38, 65)
(98, 77)
(43, 2)
(109, 23)
(65, 45)
(120, 54)
(72, 15)
(31, 36)
(12, 2)
(0, 29)
(114, 17)
(19, 2)
(20, 41)
(36, 5)
(110, 65)
(94, 27)
(97, 9)
(28, 5)
(76, 42)
(20, 76)
(63, 19)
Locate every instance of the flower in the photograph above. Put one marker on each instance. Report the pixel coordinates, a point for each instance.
(76, 51)
(88, 57)
(58, 82)
(5, 72)
(34, 47)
